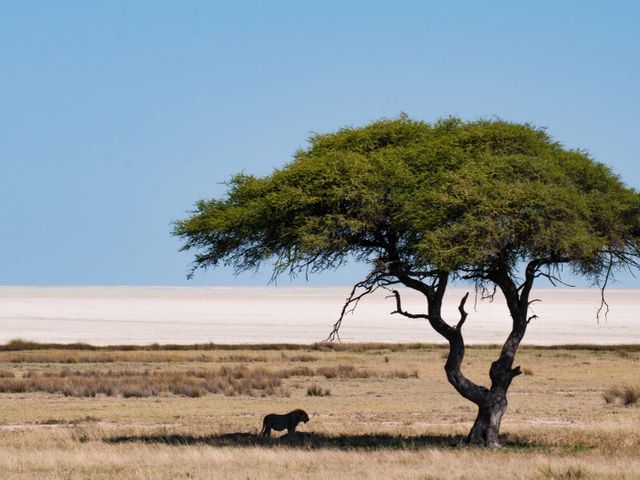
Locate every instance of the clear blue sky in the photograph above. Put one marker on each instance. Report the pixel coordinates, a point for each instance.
(116, 116)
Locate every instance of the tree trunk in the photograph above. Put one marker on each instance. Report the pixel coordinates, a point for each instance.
(492, 402)
(486, 428)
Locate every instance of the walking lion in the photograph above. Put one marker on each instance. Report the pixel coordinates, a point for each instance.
(287, 421)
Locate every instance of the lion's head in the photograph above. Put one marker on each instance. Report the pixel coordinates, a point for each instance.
(301, 415)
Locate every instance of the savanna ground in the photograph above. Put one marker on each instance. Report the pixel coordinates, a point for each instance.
(377, 411)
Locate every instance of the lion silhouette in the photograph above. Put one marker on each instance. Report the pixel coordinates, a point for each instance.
(288, 421)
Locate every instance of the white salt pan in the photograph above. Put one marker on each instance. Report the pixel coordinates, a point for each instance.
(143, 315)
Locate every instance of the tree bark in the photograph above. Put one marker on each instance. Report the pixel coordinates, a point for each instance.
(486, 428)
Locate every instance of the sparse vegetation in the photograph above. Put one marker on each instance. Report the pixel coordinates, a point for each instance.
(228, 380)
(144, 383)
(243, 358)
(349, 371)
(344, 371)
(402, 374)
(302, 358)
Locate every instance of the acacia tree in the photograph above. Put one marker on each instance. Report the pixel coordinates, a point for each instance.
(496, 203)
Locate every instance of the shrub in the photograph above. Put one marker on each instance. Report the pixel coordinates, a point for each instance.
(344, 371)
(623, 394)
(402, 374)
(314, 390)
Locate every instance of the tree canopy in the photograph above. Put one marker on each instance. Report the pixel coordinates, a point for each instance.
(452, 195)
(495, 202)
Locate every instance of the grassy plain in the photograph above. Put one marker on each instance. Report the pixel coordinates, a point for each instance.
(386, 411)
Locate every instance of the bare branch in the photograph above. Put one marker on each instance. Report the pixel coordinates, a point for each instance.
(374, 280)
(603, 302)
(554, 279)
(489, 296)
(422, 274)
(485, 293)
(370, 286)
(402, 312)
(475, 274)
(463, 314)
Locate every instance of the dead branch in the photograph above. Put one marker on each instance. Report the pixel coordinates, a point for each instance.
(480, 288)
(374, 280)
(463, 314)
(603, 300)
(402, 312)
(554, 279)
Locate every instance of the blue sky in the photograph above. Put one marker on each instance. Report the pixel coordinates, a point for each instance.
(115, 117)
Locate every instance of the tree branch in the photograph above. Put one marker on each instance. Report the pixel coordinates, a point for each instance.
(463, 314)
(484, 293)
(554, 279)
(374, 280)
(603, 301)
(402, 312)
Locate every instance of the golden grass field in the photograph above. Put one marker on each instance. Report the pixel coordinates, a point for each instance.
(379, 411)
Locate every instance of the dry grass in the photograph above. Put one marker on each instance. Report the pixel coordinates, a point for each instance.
(349, 371)
(315, 390)
(300, 358)
(238, 380)
(238, 358)
(391, 414)
(623, 394)
(80, 452)
(229, 380)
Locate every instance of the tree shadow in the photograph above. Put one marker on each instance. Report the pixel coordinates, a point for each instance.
(311, 441)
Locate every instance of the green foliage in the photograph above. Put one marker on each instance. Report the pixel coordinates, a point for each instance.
(452, 195)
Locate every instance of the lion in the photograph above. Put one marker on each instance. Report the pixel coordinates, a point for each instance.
(280, 422)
